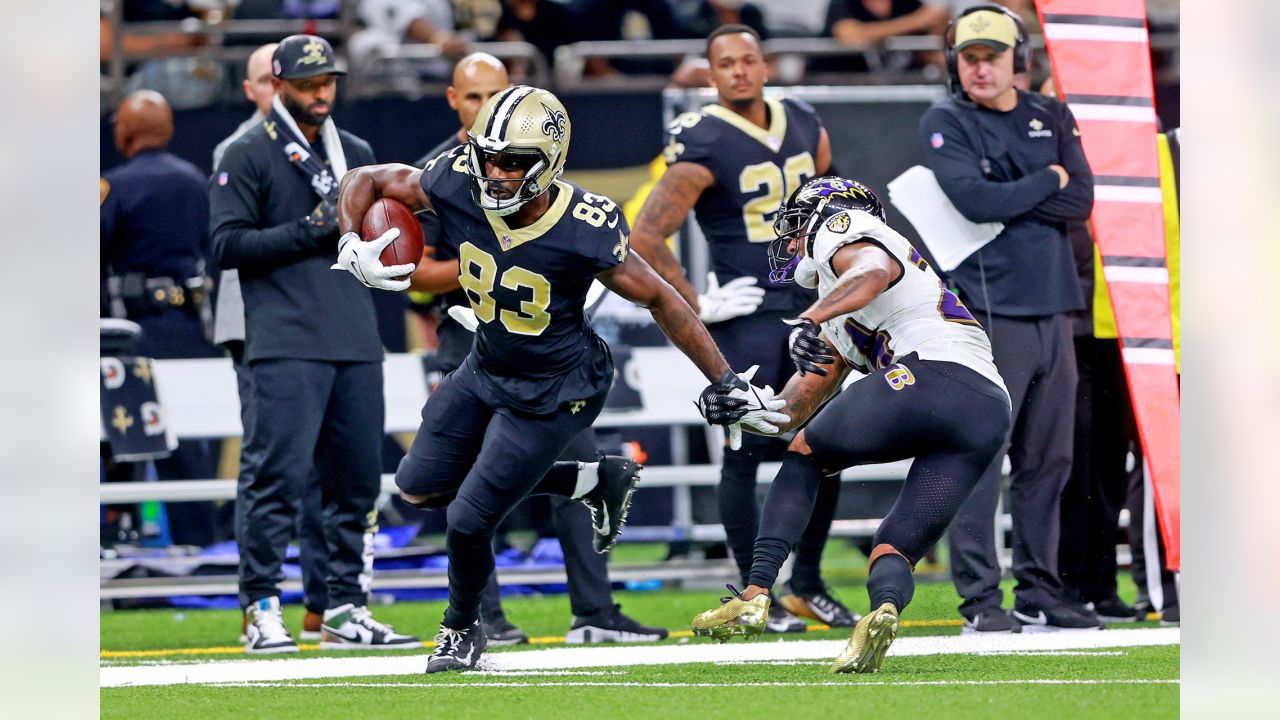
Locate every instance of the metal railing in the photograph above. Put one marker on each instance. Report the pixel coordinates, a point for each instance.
(397, 69)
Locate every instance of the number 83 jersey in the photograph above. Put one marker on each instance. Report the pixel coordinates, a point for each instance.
(755, 170)
(534, 347)
(915, 314)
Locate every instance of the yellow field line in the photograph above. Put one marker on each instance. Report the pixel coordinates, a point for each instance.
(548, 640)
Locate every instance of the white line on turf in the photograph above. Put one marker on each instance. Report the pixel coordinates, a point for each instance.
(613, 657)
(849, 684)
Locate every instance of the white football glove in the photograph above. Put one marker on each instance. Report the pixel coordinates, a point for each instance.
(361, 259)
(762, 410)
(464, 316)
(735, 298)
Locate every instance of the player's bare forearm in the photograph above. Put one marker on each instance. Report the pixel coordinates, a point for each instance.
(363, 185)
(663, 213)
(634, 280)
(806, 393)
(434, 276)
(689, 334)
(865, 272)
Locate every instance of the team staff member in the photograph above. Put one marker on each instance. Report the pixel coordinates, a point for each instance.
(228, 331)
(1003, 154)
(313, 351)
(735, 162)
(476, 78)
(155, 245)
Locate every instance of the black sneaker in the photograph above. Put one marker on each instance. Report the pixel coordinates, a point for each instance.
(1060, 617)
(1113, 610)
(1170, 617)
(781, 621)
(499, 632)
(821, 606)
(611, 625)
(610, 499)
(990, 620)
(457, 649)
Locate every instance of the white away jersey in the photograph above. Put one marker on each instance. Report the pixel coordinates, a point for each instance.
(916, 314)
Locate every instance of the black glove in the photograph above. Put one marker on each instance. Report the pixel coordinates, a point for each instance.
(717, 407)
(807, 348)
(323, 219)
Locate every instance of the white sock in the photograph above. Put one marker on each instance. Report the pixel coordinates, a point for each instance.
(588, 478)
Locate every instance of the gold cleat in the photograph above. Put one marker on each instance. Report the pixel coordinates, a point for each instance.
(870, 641)
(735, 616)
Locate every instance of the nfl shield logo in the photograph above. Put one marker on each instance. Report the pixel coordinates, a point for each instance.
(505, 242)
(936, 140)
(222, 178)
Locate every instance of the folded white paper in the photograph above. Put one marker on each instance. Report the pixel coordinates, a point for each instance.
(950, 236)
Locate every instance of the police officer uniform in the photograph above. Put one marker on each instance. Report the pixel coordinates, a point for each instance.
(155, 250)
(311, 345)
(994, 166)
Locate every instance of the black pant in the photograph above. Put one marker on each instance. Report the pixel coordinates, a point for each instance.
(762, 340)
(947, 417)
(321, 418)
(313, 553)
(481, 459)
(1096, 490)
(1036, 358)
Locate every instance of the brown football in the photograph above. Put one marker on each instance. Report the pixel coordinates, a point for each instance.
(385, 214)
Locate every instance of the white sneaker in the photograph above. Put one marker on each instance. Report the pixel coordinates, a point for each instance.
(352, 627)
(265, 632)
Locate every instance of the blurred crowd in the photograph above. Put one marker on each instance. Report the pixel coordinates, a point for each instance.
(365, 31)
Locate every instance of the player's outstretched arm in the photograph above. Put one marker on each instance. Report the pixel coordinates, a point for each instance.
(362, 186)
(662, 214)
(634, 280)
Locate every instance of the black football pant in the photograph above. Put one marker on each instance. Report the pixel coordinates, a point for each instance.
(313, 553)
(480, 459)
(586, 570)
(762, 340)
(948, 417)
(311, 417)
(1036, 358)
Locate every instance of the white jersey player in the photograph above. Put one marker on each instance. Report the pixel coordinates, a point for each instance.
(916, 313)
(931, 393)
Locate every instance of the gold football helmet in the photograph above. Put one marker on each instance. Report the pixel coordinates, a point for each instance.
(520, 127)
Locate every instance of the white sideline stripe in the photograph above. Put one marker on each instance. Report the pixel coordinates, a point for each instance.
(612, 658)
(1149, 356)
(1124, 193)
(1054, 653)
(829, 683)
(1143, 275)
(1119, 113)
(1069, 31)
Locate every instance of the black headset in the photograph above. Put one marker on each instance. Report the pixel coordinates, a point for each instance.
(1021, 48)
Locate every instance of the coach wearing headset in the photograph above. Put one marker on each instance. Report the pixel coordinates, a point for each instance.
(1003, 154)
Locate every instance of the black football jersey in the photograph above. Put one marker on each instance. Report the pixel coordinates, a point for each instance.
(755, 171)
(534, 347)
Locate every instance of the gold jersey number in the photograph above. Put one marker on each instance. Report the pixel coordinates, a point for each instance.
(477, 273)
(778, 183)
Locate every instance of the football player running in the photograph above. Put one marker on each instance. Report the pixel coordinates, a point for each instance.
(931, 393)
(537, 375)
